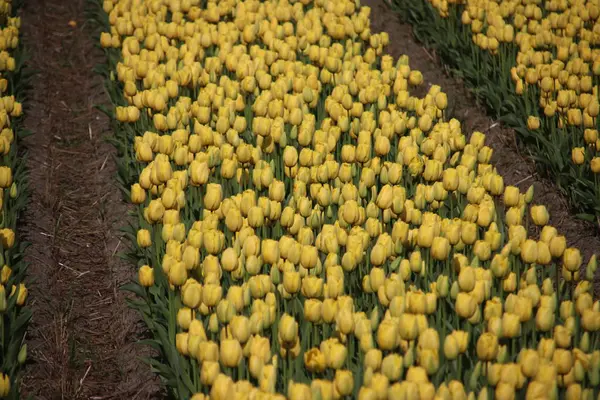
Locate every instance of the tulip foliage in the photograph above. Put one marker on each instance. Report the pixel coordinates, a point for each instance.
(536, 65)
(306, 226)
(14, 316)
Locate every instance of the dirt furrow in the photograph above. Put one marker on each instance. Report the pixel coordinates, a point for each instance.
(82, 337)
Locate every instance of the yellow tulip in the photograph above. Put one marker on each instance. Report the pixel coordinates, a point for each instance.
(209, 372)
(314, 360)
(544, 319)
(539, 215)
(563, 360)
(504, 391)
(146, 276)
(213, 196)
(546, 348)
(533, 123)
(450, 179)
(288, 329)
(529, 361)
(138, 194)
(6, 178)
(299, 391)
(487, 347)
(572, 259)
(451, 348)
(230, 352)
(408, 327)
(578, 155)
(343, 382)
(558, 244)
(511, 325)
(440, 248)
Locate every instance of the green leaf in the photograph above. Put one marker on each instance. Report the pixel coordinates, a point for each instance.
(134, 288)
(394, 265)
(586, 217)
(22, 320)
(150, 342)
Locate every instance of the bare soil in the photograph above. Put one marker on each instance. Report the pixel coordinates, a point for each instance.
(516, 168)
(82, 337)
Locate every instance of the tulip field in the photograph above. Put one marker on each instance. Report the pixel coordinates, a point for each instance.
(305, 218)
(536, 66)
(305, 226)
(14, 316)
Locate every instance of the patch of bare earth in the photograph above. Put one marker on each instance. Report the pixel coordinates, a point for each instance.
(517, 169)
(82, 337)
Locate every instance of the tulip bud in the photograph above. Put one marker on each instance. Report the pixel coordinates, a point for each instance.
(336, 355)
(454, 290)
(185, 316)
(474, 378)
(440, 248)
(533, 123)
(373, 359)
(4, 385)
(7, 236)
(539, 215)
(143, 238)
(466, 279)
(557, 245)
(408, 327)
(450, 179)
(529, 360)
(529, 194)
(230, 352)
(442, 285)
(563, 360)
(146, 276)
(578, 155)
(429, 360)
(138, 194)
(591, 267)
(504, 391)
(511, 325)
(298, 391)
(344, 382)
(344, 321)
(572, 259)
(451, 349)
(6, 178)
(209, 372)
(465, 305)
(288, 330)
(22, 357)
(313, 310)
(409, 357)
(392, 367)
(487, 347)
(529, 251)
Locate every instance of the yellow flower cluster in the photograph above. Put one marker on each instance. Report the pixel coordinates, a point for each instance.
(13, 292)
(556, 66)
(9, 108)
(325, 233)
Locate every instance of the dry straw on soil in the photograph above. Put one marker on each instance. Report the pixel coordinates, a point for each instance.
(82, 337)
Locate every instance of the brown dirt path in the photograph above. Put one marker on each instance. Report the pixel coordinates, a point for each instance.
(515, 168)
(82, 337)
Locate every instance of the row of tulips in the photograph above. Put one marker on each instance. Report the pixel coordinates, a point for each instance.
(536, 66)
(14, 316)
(306, 227)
